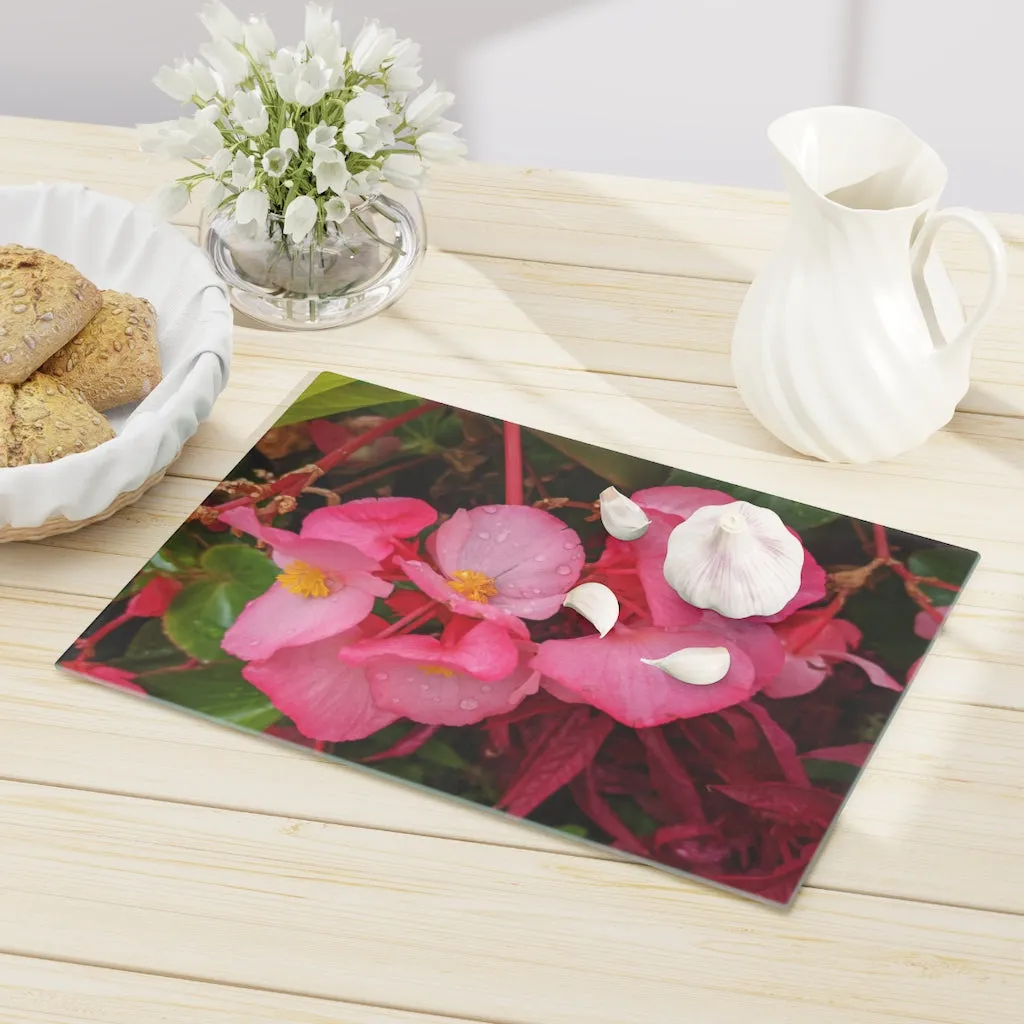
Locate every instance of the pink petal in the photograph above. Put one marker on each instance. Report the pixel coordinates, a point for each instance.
(798, 676)
(486, 651)
(874, 672)
(436, 586)
(925, 626)
(608, 673)
(436, 695)
(290, 547)
(666, 606)
(529, 553)
(676, 500)
(325, 698)
(280, 619)
(756, 640)
(370, 523)
(114, 676)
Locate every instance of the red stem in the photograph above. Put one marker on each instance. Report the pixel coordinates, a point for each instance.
(826, 615)
(881, 542)
(407, 620)
(88, 643)
(513, 465)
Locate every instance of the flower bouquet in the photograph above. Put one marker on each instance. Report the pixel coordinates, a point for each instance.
(295, 148)
(675, 667)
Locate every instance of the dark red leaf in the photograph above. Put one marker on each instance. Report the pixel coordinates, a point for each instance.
(154, 598)
(854, 753)
(595, 807)
(559, 757)
(408, 744)
(781, 743)
(671, 780)
(748, 736)
(677, 833)
(786, 802)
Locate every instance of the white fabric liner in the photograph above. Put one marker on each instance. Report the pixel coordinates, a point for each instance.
(120, 246)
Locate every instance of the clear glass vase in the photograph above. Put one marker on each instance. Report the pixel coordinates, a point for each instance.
(357, 269)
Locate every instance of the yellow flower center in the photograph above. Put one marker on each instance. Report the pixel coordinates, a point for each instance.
(436, 670)
(473, 585)
(304, 580)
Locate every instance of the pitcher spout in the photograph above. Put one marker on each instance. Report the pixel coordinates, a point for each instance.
(857, 159)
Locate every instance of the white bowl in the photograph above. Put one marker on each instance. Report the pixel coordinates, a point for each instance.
(120, 246)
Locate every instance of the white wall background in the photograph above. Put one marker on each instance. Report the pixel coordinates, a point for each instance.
(662, 88)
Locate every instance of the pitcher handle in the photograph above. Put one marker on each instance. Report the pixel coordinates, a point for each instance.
(995, 250)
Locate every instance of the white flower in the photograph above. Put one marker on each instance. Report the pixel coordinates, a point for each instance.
(176, 81)
(425, 110)
(242, 170)
(337, 209)
(167, 201)
(372, 45)
(285, 68)
(252, 205)
(363, 183)
(275, 161)
(259, 37)
(220, 22)
(220, 162)
(596, 603)
(698, 666)
(321, 137)
(229, 62)
(184, 137)
(622, 517)
(289, 140)
(440, 147)
(330, 171)
(249, 113)
(299, 217)
(323, 39)
(218, 192)
(404, 67)
(368, 121)
(313, 82)
(404, 170)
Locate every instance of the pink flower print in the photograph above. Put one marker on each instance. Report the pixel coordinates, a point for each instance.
(154, 598)
(667, 507)
(758, 641)
(370, 524)
(927, 627)
(501, 562)
(324, 588)
(114, 676)
(446, 681)
(328, 436)
(609, 674)
(327, 699)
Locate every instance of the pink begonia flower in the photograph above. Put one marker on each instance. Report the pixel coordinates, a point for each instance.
(325, 587)
(806, 668)
(114, 676)
(608, 673)
(501, 562)
(925, 626)
(370, 524)
(439, 682)
(327, 699)
(667, 507)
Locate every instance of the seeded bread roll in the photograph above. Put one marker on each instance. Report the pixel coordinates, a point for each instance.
(115, 359)
(44, 303)
(42, 421)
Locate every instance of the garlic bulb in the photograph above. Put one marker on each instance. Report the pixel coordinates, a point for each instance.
(737, 559)
(622, 517)
(596, 603)
(699, 666)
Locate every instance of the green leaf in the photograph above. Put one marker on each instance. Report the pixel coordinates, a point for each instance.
(215, 690)
(794, 514)
(830, 771)
(182, 551)
(149, 650)
(574, 830)
(439, 752)
(953, 565)
(624, 471)
(202, 613)
(331, 393)
(430, 433)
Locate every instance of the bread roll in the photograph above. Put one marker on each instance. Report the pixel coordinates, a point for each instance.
(115, 358)
(42, 420)
(44, 303)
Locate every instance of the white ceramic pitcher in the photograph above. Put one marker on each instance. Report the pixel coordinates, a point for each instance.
(851, 344)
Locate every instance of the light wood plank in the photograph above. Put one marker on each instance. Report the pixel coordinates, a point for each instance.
(34, 991)
(941, 808)
(376, 917)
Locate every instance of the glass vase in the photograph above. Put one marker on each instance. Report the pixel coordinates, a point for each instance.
(356, 270)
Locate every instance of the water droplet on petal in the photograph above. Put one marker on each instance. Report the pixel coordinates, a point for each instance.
(394, 700)
(490, 509)
(379, 677)
(539, 558)
(502, 536)
(569, 545)
(468, 704)
(484, 535)
(254, 643)
(563, 570)
(424, 686)
(437, 700)
(486, 688)
(290, 632)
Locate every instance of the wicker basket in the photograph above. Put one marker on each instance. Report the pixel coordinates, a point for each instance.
(58, 524)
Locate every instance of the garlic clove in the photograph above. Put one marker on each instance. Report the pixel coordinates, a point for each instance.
(596, 603)
(698, 666)
(622, 517)
(737, 559)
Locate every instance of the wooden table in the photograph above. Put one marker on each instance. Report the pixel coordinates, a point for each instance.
(156, 868)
